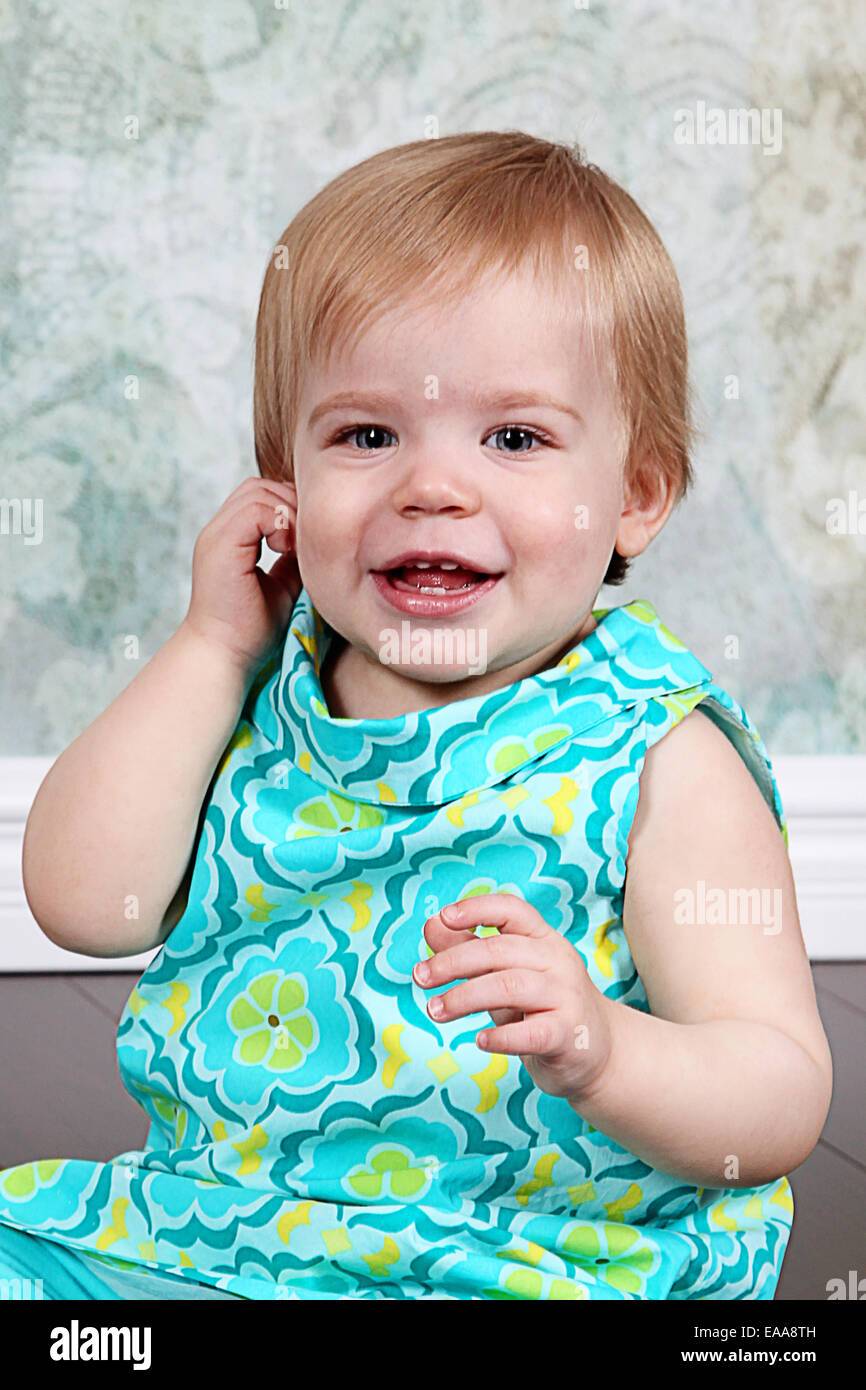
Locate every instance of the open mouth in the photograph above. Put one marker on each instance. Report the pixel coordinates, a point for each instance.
(443, 578)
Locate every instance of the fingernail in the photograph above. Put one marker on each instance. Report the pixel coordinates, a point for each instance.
(449, 912)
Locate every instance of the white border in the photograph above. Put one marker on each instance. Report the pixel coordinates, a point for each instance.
(825, 806)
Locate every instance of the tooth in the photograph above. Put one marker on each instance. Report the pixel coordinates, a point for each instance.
(425, 589)
(421, 565)
(448, 564)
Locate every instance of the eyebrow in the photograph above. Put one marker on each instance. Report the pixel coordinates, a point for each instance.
(382, 400)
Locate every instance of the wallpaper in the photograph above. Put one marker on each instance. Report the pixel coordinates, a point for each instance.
(150, 156)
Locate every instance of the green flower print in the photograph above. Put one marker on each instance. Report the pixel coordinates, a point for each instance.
(404, 1181)
(23, 1180)
(333, 812)
(275, 1029)
(624, 1266)
(623, 1271)
(645, 613)
(516, 753)
(174, 1115)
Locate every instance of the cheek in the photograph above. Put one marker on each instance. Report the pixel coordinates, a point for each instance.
(590, 520)
(566, 537)
(554, 531)
(329, 520)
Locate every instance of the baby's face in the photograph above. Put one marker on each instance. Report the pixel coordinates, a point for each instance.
(420, 457)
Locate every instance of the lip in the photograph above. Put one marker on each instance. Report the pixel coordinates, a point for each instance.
(431, 605)
(432, 556)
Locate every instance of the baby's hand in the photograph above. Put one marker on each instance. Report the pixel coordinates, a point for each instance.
(234, 603)
(534, 984)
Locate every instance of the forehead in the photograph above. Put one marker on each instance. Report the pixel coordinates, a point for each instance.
(513, 324)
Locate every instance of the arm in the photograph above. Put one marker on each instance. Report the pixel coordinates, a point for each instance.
(725, 1103)
(727, 1082)
(118, 814)
(109, 839)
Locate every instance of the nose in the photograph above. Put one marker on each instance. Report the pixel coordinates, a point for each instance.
(433, 485)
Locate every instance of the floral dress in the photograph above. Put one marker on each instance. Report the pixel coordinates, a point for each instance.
(314, 1133)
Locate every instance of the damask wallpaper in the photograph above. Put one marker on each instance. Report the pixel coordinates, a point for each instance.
(150, 156)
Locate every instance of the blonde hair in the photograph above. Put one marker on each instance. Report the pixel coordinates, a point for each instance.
(420, 221)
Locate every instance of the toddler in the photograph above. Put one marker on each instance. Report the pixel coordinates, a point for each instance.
(481, 975)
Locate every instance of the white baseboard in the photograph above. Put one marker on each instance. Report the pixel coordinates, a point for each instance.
(825, 805)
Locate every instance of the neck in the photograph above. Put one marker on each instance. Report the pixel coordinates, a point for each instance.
(356, 685)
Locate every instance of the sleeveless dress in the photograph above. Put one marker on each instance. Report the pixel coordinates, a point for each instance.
(314, 1133)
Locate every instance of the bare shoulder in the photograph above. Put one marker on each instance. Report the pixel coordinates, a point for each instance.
(698, 750)
(702, 827)
(697, 766)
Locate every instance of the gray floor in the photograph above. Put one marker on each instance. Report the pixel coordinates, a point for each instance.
(61, 1097)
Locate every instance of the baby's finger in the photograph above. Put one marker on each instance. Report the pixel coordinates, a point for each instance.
(477, 956)
(282, 498)
(503, 1016)
(442, 938)
(534, 990)
(246, 528)
(505, 911)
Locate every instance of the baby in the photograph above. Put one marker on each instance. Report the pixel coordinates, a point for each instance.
(469, 987)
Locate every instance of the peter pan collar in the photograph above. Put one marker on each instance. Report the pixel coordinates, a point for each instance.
(429, 757)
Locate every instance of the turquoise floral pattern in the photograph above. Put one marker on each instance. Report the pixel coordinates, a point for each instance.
(282, 1013)
(326, 814)
(314, 1132)
(274, 1028)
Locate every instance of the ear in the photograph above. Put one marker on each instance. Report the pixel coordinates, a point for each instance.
(649, 498)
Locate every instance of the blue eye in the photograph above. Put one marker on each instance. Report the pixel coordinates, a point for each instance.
(362, 429)
(519, 430)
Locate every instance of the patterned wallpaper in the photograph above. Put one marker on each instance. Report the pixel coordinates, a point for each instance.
(150, 155)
